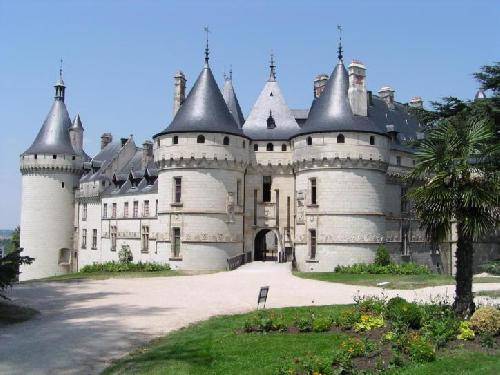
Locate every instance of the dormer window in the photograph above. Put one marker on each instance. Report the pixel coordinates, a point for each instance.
(54, 156)
(256, 147)
(283, 147)
(225, 141)
(270, 147)
(36, 156)
(271, 124)
(309, 141)
(340, 138)
(200, 139)
(372, 140)
(175, 140)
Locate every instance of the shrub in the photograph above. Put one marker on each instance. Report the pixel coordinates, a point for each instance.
(391, 269)
(353, 346)
(342, 362)
(304, 324)
(124, 267)
(278, 323)
(368, 322)
(486, 320)
(262, 321)
(465, 332)
(382, 257)
(371, 304)
(492, 267)
(400, 311)
(440, 330)
(125, 254)
(348, 318)
(420, 350)
(307, 365)
(321, 324)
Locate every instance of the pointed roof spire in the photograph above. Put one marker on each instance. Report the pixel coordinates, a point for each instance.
(53, 138)
(204, 110)
(77, 123)
(231, 100)
(272, 68)
(59, 86)
(207, 50)
(339, 53)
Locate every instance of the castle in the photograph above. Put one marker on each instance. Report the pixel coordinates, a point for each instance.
(322, 187)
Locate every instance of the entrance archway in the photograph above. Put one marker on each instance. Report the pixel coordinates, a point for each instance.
(265, 246)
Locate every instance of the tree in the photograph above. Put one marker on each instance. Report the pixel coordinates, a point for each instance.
(9, 269)
(15, 242)
(457, 183)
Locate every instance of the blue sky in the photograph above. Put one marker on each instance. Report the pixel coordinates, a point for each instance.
(120, 57)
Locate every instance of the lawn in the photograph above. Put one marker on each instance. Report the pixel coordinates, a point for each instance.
(10, 313)
(395, 281)
(218, 346)
(108, 275)
(489, 293)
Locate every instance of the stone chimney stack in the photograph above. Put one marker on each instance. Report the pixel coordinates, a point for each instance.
(357, 88)
(179, 90)
(319, 84)
(147, 152)
(106, 139)
(386, 93)
(416, 102)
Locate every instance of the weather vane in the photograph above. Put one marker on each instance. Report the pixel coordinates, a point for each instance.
(60, 68)
(206, 47)
(339, 28)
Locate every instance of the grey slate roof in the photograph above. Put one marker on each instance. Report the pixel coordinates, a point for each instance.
(332, 111)
(53, 137)
(270, 103)
(77, 125)
(204, 110)
(232, 102)
(101, 161)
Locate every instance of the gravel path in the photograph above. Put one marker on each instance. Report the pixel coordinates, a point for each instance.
(83, 325)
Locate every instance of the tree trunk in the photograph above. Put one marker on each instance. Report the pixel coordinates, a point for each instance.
(464, 299)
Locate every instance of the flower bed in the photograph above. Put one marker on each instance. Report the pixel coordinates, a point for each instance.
(124, 267)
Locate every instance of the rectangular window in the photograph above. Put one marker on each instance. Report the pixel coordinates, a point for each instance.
(176, 243)
(398, 160)
(312, 247)
(84, 212)
(255, 207)
(94, 238)
(84, 238)
(105, 210)
(312, 185)
(404, 201)
(145, 238)
(288, 215)
(125, 209)
(113, 211)
(177, 189)
(145, 209)
(113, 238)
(136, 209)
(266, 188)
(156, 207)
(277, 192)
(238, 192)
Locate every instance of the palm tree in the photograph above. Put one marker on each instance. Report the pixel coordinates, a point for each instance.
(455, 183)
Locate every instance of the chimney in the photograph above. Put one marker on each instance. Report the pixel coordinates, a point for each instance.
(123, 141)
(147, 152)
(386, 93)
(370, 97)
(319, 84)
(106, 139)
(416, 102)
(357, 88)
(179, 90)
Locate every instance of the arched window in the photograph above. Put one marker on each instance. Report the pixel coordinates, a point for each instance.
(372, 140)
(309, 141)
(175, 140)
(225, 141)
(283, 147)
(200, 139)
(270, 147)
(340, 138)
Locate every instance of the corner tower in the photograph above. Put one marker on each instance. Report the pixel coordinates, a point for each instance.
(50, 170)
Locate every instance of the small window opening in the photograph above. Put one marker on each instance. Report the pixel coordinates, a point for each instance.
(244, 144)
(266, 188)
(270, 147)
(36, 156)
(283, 147)
(340, 138)
(271, 124)
(175, 140)
(312, 182)
(372, 140)
(398, 160)
(271, 94)
(256, 147)
(309, 141)
(200, 139)
(62, 185)
(54, 156)
(73, 158)
(312, 235)
(225, 141)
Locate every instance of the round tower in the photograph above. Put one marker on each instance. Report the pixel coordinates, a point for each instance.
(50, 170)
(201, 157)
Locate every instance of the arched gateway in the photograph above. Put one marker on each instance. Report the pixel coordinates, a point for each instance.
(265, 246)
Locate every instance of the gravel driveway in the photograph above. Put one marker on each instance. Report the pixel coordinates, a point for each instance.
(84, 325)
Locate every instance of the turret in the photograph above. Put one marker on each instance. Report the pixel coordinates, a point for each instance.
(231, 100)
(179, 90)
(50, 170)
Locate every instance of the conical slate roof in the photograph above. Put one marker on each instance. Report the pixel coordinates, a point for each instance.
(332, 111)
(270, 103)
(204, 110)
(77, 123)
(232, 102)
(53, 137)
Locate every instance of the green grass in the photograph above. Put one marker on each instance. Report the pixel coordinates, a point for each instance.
(215, 347)
(395, 281)
(489, 293)
(10, 313)
(108, 275)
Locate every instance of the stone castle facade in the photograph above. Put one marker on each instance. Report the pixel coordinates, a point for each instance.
(320, 186)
